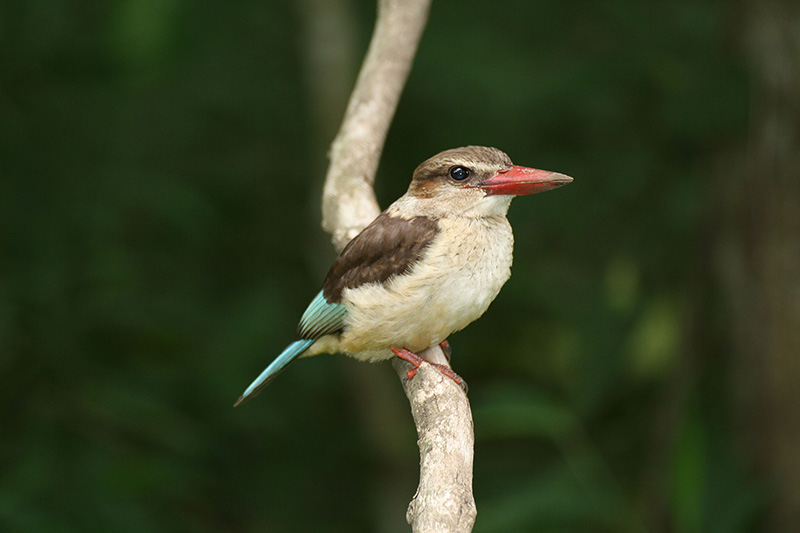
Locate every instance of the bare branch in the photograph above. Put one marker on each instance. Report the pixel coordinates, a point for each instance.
(348, 200)
(441, 411)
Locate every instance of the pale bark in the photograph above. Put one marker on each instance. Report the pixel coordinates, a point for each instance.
(441, 411)
(348, 199)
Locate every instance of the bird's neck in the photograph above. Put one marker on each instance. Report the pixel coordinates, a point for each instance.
(409, 206)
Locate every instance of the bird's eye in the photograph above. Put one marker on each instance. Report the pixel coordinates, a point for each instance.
(459, 173)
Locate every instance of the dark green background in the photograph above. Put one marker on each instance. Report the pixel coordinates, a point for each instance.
(161, 164)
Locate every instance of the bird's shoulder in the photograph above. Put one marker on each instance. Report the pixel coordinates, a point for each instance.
(389, 246)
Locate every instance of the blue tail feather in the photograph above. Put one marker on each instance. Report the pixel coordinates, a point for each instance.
(292, 352)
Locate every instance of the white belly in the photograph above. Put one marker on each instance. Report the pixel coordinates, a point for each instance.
(453, 285)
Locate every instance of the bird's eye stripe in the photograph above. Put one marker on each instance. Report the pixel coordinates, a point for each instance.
(459, 173)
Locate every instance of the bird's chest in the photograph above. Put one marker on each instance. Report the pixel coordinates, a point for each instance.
(467, 268)
(453, 284)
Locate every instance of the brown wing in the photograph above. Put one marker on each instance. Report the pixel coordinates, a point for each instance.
(387, 247)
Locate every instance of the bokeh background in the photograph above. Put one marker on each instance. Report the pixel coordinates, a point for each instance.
(161, 164)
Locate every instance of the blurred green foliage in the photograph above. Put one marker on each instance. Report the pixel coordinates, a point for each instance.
(161, 169)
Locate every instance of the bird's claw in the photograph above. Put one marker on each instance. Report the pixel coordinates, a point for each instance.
(415, 360)
(446, 348)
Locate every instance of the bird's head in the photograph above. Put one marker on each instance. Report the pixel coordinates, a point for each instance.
(476, 181)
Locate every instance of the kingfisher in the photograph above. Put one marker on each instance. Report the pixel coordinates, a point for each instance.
(426, 267)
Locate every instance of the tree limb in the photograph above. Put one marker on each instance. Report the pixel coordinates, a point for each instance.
(348, 199)
(441, 410)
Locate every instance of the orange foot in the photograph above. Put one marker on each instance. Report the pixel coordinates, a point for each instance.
(447, 349)
(415, 361)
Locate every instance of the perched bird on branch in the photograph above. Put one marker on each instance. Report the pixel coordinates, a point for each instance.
(426, 267)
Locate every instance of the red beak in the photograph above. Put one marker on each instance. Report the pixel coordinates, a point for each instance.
(519, 181)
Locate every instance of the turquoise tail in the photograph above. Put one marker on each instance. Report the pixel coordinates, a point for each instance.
(292, 352)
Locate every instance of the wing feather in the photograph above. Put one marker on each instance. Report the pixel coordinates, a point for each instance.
(389, 246)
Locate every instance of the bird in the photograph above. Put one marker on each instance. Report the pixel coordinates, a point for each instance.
(426, 267)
